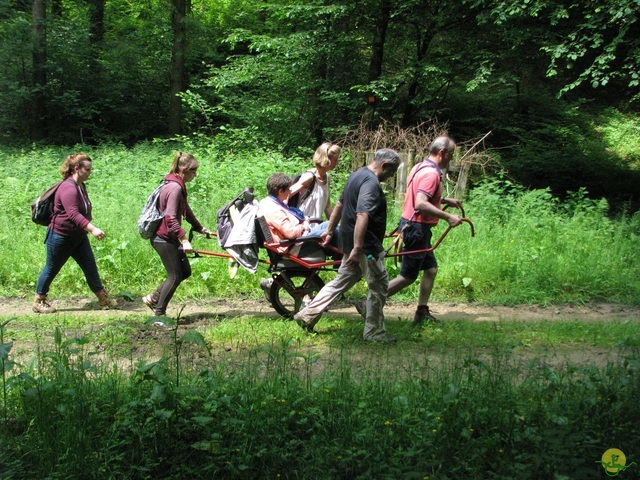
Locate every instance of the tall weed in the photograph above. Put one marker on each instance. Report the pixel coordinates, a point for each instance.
(532, 247)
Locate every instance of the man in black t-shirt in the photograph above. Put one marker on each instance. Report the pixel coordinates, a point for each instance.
(362, 211)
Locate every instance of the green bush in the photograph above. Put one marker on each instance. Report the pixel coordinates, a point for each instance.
(275, 412)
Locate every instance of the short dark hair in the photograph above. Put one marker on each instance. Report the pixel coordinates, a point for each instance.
(276, 182)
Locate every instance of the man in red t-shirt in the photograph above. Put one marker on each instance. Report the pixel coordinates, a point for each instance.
(420, 213)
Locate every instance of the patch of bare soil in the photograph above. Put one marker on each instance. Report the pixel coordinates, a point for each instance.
(148, 342)
(193, 310)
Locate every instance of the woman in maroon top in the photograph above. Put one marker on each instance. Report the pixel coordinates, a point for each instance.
(170, 235)
(67, 235)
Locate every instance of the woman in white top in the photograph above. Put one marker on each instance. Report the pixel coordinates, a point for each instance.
(317, 200)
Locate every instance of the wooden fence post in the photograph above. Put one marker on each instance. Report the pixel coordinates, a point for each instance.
(460, 189)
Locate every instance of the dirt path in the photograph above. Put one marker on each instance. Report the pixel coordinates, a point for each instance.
(147, 342)
(17, 307)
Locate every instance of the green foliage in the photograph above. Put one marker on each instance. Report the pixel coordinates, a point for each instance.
(530, 246)
(544, 144)
(593, 42)
(546, 249)
(281, 411)
(289, 84)
(601, 44)
(621, 133)
(291, 73)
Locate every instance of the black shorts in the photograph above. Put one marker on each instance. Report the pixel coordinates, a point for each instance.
(416, 236)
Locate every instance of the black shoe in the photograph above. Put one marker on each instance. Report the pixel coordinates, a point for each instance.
(423, 315)
(304, 325)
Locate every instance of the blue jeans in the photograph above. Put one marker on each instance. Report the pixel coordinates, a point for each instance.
(59, 250)
(318, 229)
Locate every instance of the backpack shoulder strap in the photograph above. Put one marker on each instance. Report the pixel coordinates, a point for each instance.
(421, 167)
(309, 188)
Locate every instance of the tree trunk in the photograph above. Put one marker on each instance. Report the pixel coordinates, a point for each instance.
(423, 40)
(377, 53)
(178, 82)
(39, 12)
(56, 8)
(379, 36)
(96, 22)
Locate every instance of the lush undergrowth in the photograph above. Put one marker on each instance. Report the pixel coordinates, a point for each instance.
(255, 398)
(529, 246)
(484, 403)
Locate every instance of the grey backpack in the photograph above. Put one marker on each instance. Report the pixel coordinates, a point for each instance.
(150, 218)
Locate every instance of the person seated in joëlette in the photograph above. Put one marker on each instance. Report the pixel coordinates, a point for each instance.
(284, 222)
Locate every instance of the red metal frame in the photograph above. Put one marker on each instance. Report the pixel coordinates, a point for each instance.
(273, 247)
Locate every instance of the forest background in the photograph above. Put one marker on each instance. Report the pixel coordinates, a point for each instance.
(249, 87)
(555, 82)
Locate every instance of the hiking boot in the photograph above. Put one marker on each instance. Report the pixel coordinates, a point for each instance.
(423, 315)
(304, 325)
(361, 307)
(150, 302)
(105, 302)
(41, 305)
(265, 285)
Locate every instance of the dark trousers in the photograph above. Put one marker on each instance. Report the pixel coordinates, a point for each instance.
(178, 269)
(59, 249)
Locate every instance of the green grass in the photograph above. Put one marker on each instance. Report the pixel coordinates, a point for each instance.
(464, 399)
(577, 333)
(340, 331)
(251, 396)
(529, 246)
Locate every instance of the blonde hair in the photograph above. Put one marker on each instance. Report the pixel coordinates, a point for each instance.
(323, 152)
(71, 162)
(183, 161)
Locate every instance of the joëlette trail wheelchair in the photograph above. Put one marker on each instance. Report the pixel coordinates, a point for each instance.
(296, 272)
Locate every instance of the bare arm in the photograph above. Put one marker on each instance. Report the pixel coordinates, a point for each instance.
(427, 208)
(328, 210)
(304, 182)
(362, 223)
(334, 219)
(452, 202)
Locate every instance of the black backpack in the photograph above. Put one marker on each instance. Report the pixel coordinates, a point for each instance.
(296, 199)
(42, 207)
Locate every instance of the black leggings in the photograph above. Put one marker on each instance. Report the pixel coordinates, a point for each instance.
(178, 269)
